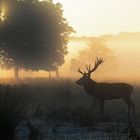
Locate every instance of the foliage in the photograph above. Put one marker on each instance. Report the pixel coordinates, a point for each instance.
(34, 34)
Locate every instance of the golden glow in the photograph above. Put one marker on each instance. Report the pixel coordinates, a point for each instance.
(97, 17)
(3, 11)
(2, 15)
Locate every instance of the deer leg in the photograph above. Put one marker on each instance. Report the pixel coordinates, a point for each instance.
(130, 105)
(133, 108)
(102, 106)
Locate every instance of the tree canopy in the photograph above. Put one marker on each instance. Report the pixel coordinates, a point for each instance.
(34, 34)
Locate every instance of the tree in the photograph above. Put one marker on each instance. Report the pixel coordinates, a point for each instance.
(96, 48)
(34, 35)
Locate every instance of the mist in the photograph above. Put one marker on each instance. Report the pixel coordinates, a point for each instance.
(125, 47)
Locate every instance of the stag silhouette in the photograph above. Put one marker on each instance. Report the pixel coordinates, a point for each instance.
(105, 91)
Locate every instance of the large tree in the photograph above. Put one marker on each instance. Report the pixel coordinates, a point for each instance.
(34, 34)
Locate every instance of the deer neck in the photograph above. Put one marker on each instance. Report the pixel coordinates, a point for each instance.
(89, 86)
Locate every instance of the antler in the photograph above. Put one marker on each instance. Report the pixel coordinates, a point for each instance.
(88, 67)
(98, 62)
(81, 71)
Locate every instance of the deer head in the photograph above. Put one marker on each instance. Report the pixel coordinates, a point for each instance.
(86, 75)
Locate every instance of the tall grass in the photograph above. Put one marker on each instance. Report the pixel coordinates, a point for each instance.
(10, 111)
(55, 101)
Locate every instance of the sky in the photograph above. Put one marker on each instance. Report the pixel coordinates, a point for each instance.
(97, 17)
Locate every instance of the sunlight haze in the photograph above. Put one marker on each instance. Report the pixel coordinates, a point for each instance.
(96, 17)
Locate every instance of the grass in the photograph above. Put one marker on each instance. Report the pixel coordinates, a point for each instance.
(10, 111)
(56, 101)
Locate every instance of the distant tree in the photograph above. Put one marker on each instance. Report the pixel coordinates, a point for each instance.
(96, 48)
(34, 35)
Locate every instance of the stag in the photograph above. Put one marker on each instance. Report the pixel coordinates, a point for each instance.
(105, 91)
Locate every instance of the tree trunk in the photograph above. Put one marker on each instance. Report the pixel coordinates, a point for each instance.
(57, 73)
(49, 74)
(16, 72)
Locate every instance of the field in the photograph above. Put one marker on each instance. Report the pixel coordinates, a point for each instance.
(60, 109)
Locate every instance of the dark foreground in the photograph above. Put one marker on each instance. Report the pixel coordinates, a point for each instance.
(53, 109)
